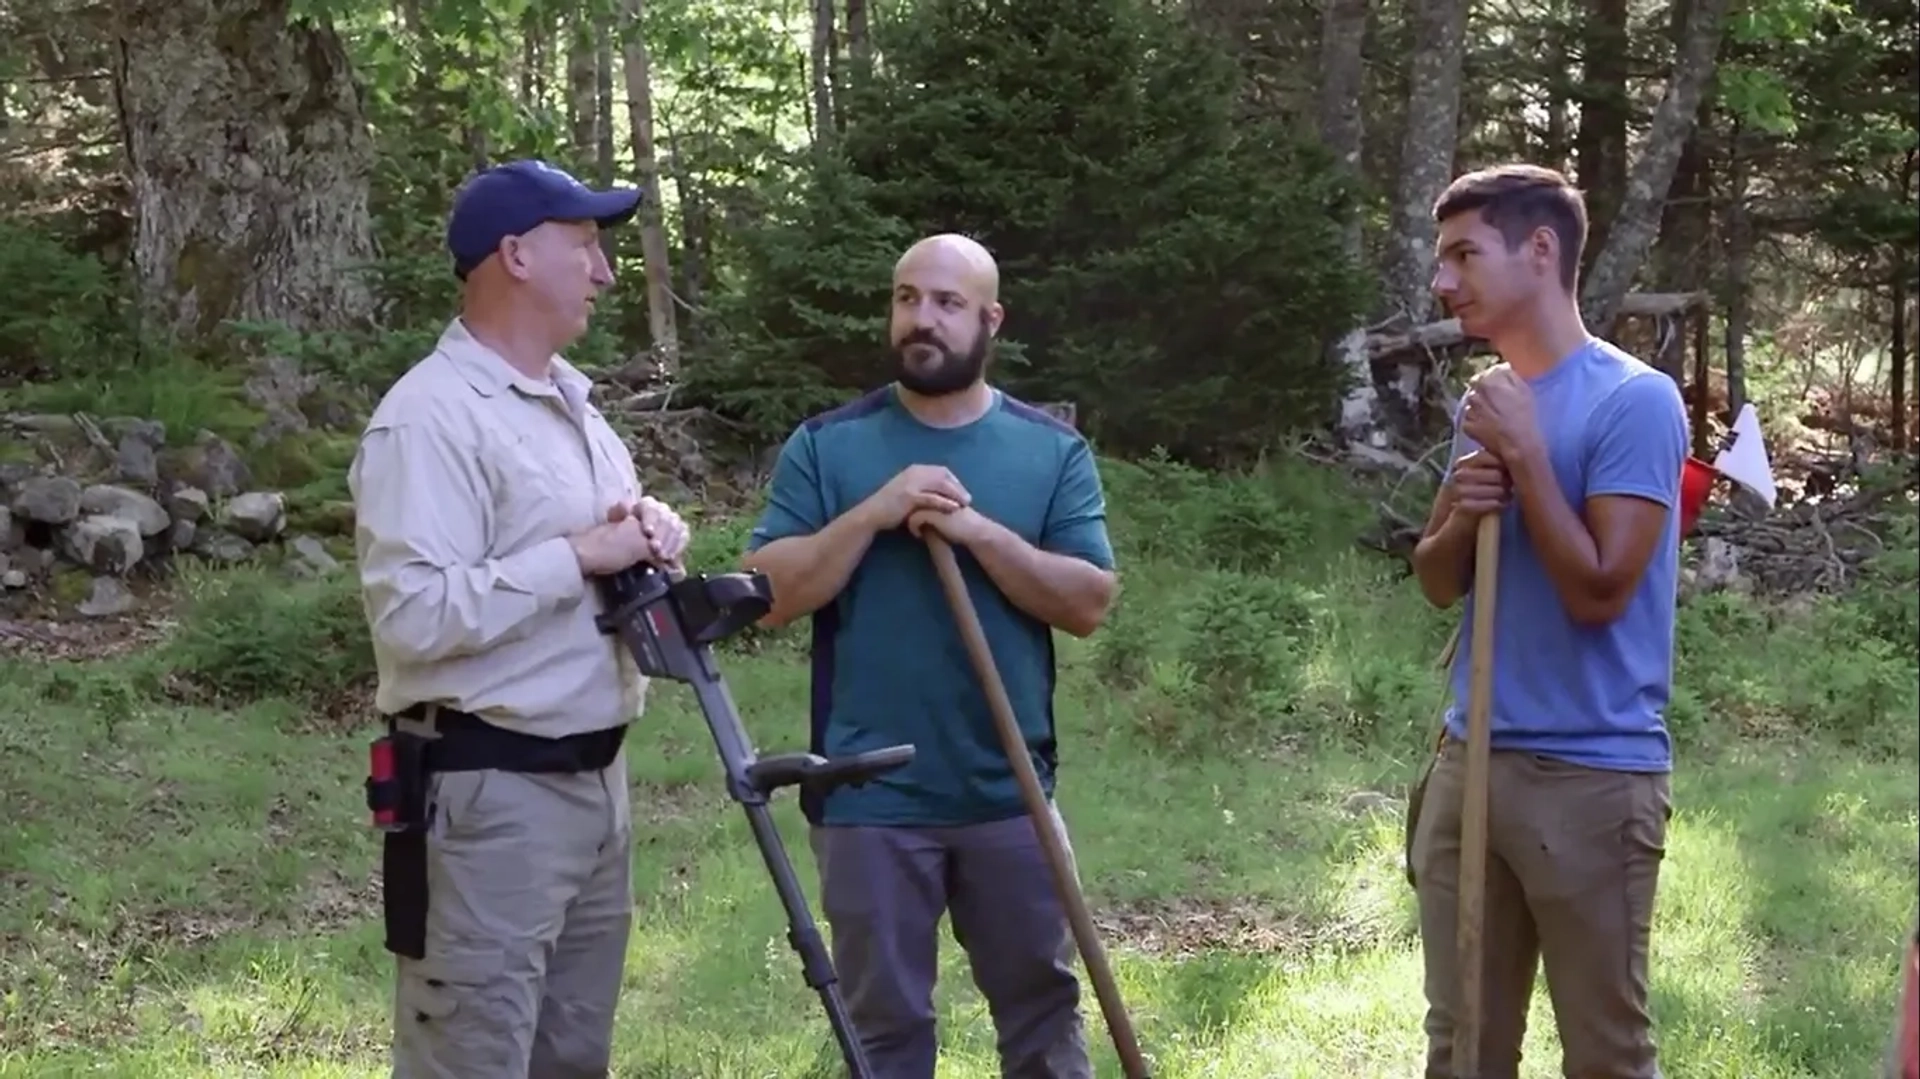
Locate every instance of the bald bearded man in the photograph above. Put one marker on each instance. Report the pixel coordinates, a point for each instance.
(1018, 496)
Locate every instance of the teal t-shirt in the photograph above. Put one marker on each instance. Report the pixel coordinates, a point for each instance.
(888, 662)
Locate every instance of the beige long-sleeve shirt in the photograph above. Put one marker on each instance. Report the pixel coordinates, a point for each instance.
(469, 478)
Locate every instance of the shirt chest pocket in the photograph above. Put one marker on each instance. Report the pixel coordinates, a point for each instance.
(551, 482)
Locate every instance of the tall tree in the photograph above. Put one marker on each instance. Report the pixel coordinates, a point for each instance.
(638, 68)
(249, 156)
(1638, 218)
(1426, 150)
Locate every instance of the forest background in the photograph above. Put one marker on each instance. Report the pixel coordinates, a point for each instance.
(221, 239)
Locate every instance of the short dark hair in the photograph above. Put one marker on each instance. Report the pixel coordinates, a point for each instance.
(1517, 199)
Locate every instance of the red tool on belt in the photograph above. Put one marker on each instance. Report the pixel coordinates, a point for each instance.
(382, 778)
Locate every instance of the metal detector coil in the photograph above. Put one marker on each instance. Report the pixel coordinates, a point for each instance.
(670, 626)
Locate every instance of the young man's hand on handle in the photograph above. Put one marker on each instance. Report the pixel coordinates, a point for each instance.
(1480, 486)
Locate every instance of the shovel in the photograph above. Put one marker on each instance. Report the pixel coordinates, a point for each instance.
(1118, 1024)
(1472, 893)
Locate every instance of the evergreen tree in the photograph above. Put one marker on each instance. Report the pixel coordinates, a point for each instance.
(1170, 266)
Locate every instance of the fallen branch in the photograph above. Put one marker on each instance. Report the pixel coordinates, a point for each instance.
(1447, 334)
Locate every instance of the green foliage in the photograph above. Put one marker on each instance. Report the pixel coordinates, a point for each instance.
(62, 308)
(1097, 152)
(184, 392)
(1248, 618)
(810, 322)
(257, 634)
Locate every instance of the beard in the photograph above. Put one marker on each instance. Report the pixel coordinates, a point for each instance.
(945, 371)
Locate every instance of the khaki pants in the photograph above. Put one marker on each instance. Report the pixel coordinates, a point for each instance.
(1573, 860)
(530, 907)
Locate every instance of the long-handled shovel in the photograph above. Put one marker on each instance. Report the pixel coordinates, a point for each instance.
(1473, 803)
(1068, 886)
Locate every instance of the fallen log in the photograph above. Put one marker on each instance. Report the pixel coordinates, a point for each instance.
(1446, 333)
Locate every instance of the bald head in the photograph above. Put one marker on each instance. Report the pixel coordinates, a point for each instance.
(946, 311)
(955, 262)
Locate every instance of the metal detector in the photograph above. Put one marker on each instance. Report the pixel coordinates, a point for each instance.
(670, 627)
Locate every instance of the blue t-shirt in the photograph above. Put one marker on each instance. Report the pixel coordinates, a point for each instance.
(889, 663)
(1590, 695)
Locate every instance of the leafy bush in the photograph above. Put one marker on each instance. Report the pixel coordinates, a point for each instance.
(255, 634)
(63, 310)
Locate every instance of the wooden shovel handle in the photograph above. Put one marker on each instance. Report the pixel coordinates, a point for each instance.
(1472, 892)
(1065, 882)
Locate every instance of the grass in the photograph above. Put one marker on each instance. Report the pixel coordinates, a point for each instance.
(185, 889)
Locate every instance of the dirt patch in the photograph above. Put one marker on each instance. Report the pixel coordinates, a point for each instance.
(48, 639)
(668, 803)
(335, 900)
(346, 710)
(1185, 927)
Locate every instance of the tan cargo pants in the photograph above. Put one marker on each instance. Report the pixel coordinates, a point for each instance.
(1573, 862)
(530, 906)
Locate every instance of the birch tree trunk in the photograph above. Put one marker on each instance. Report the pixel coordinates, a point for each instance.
(1426, 151)
(1638, 219)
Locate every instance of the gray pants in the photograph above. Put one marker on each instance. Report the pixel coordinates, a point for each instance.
(884, 891)
(529, 910)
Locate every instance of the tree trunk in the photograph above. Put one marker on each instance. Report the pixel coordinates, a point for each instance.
(1601, 145)
(1343, 36)
(859, 45)
(661, 327)
(533, 83)
(604, 170)
(696, 243)
(1638, 219)
(1897, 360)
(1555, 151)
(822, 71)
(249, 156)
(1426, 151)
(582, 104)
(1738, 297)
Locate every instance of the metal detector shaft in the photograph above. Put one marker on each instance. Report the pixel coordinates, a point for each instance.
(669, 626)
(1119, 1025)
(1472, 909)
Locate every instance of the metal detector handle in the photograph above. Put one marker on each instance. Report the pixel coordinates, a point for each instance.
(624, 587)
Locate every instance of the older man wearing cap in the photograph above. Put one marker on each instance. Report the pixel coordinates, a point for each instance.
(488, 490)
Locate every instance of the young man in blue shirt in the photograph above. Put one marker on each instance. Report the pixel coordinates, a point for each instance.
(1579, 447)
(1017, 495)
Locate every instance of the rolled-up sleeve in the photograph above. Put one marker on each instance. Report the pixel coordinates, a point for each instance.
(431, 590)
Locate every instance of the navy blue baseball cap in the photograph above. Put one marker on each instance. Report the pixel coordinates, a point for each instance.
(507, 200)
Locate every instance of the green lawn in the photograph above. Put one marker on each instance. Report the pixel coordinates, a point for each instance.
(186, 874)
(186, 892)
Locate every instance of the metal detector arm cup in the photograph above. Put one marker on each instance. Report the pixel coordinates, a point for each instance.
(815, 772)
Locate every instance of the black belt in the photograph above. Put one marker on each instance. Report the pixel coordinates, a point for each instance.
(467, 743)
(397, 793)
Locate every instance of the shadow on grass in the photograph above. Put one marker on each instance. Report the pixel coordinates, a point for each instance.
(1788, 889)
